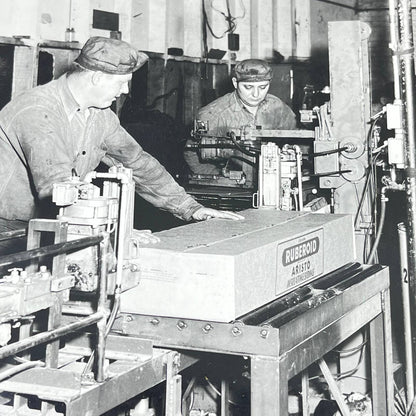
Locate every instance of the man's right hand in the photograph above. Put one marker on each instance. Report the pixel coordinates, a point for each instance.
(145, 237)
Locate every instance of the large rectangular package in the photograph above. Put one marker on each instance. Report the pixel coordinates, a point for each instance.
(219, 270)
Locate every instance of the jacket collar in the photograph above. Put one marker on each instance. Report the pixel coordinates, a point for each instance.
(70, 104)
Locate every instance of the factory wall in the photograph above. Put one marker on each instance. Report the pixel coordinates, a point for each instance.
(292, 35)
(291, 28)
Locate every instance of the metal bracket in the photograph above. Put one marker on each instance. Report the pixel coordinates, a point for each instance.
(333, 387)
(59, 284)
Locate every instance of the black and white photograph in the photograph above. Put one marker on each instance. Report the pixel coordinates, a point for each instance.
(207, 208)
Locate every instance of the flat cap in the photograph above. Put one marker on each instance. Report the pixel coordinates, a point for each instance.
(253, 70)
(112, 56)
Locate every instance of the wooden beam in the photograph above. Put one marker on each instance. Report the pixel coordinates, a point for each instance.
(192, 36)
(261, 29)
(25, 68)
(282, 27)
(302, 28)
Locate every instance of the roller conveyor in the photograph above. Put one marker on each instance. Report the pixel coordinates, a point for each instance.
(283, 310)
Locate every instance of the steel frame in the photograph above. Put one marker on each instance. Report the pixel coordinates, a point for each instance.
(278, 354)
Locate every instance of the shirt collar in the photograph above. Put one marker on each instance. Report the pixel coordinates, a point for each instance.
(237, 105)
(70, 104)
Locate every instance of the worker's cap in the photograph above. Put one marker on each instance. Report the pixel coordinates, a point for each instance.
(252, 70)
(112, 56)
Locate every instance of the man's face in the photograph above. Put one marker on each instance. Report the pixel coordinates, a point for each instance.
(108, 87)
(251, 93)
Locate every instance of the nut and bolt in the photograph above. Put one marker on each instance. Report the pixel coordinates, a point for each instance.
(181, 325)
(155, 321)
(128, 318)
(264, 333)
(207, 328)
(236, 331)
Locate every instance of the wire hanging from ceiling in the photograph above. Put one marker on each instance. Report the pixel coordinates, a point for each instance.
(229, 18)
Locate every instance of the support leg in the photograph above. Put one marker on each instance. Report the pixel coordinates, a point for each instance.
(382, 360)
(269, 387)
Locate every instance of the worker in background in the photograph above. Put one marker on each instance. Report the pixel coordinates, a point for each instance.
(66, 127)
(249, 105)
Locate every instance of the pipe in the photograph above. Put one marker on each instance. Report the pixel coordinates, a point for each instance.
(401, 228)
(240, 148)
(51, 250)
(7, 235)
(407, 65)
(101, 308)
(48, 336)
(261, 180)
(394, 46)
(389, 186)
(123, 217)
(328, 152)
(383, 201)
(19, 368)
(104, 330)
(299, 173)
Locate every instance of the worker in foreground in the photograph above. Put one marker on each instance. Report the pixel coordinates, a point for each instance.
(66, 127)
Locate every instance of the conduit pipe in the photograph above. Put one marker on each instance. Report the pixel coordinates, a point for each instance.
(404, 272)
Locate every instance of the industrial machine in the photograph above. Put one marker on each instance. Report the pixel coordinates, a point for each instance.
(253, 166)
(241, 285)
(280, 289)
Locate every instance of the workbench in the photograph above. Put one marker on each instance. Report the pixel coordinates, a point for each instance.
(283, 338)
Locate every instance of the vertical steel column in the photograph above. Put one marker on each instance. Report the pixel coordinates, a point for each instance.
(404, 275)
(407, 80)
(269, 387)
(381, 355)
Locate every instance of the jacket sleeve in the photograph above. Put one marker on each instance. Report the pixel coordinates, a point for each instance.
(153, 182)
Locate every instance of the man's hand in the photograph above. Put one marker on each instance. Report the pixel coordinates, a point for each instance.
(206, 213)
(145, 237)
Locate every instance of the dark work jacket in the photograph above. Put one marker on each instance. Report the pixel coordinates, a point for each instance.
(43, 137)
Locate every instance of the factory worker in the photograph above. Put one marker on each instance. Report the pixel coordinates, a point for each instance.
(249, 105)
(66, 126)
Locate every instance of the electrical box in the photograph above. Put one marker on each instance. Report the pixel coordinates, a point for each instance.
(221, 269)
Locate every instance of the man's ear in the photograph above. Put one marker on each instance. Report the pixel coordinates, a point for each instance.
(96, 77)
(234, 80)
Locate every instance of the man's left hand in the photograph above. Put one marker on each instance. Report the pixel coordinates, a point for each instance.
(207, 213)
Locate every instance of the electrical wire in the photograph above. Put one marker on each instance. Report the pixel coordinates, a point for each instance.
(354, 349)
(329, 152)
(379, 231)
(335, 172)
(240, 148)
(208, 25)
(371, 180)
(296, 202)
(350, 373)
(229, 18)
(243, 159)
(219, 393)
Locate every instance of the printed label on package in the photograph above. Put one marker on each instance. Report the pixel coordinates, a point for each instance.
(299, 260)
